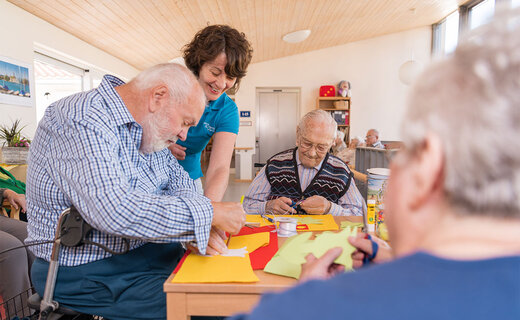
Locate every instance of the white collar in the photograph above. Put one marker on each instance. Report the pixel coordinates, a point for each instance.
(298, 162)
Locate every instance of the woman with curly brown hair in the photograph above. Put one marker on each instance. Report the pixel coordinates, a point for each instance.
(219, 56)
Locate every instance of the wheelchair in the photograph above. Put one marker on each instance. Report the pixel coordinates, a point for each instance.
(71, 231)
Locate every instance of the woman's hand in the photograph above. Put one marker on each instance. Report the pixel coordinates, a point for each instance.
(15, 199)
(178, 151)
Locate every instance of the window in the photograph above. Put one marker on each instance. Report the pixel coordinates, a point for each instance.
(481, 13)
(446, 34)
(473, 14)
(452, 32)
(54, 80)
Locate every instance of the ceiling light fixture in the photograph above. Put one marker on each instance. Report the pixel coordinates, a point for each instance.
(411, 68)
(297, 36)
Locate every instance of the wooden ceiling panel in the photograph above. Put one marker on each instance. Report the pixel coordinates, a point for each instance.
(147, 32)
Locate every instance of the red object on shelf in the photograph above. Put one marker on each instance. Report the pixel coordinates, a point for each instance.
(347, 118)
(327, 91)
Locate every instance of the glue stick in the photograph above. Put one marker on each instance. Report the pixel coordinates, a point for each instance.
(371, 215)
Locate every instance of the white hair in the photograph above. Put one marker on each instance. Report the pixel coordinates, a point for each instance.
(359, 139)
(471, 100)
(181, 82)
(375, 131)
(317, 116)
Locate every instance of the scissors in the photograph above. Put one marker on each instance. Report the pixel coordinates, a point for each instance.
(294, 204)
(375, 248)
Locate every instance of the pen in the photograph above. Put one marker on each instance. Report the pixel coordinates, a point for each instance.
(268, 219)
(229, 238)
(227, 242)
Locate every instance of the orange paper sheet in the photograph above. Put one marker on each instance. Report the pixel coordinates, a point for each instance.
(327, 222)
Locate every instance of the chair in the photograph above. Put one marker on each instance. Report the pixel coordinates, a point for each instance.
(361, 182)
(15, 213)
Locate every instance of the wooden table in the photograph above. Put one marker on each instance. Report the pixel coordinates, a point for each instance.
(223, 299)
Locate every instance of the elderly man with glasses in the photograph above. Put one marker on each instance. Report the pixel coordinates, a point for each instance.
(372, 139)
(306, 179)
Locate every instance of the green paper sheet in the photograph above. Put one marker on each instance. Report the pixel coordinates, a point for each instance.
(290, 257)
(328, 240)
(309, 220)
(351, 224)
(280, 266)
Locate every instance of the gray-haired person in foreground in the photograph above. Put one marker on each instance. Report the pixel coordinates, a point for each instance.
(452, 205)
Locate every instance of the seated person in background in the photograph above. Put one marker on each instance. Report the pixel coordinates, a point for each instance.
(451, 205)
(349, 155)
(105, 152)
(372, 139)
(339, 142)
(14, 265)
(307, 173)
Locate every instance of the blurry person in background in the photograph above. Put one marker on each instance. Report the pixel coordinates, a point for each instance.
(372, 139)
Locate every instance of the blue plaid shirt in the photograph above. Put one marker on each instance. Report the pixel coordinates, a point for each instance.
(86, 153)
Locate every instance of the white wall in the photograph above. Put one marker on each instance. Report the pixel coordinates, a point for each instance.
(23, 31)
(371, 66)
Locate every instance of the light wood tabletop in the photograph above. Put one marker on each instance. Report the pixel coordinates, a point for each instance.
(184, 300)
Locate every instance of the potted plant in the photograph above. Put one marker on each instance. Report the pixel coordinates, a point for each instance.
(15, 146)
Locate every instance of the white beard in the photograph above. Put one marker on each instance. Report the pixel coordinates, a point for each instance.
(153, 139)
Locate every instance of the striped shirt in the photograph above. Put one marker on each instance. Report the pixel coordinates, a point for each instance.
(350, 204)
(86, 153)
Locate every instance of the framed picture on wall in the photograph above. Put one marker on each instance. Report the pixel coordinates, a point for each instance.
(16, 85)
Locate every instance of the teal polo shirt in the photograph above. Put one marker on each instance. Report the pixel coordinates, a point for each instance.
(220, 115)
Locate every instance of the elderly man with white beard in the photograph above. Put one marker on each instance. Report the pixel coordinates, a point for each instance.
(105, 153)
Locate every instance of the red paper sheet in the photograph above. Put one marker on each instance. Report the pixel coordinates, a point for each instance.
(260, 257)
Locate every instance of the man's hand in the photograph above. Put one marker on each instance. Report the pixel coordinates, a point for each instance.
(316, 205)
(322, 268)
(15, 199)
(178, 151)
(216, 243)
(280, 205)
(364, 247)
(228, 216)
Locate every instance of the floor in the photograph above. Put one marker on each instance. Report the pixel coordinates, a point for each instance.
(235, 190)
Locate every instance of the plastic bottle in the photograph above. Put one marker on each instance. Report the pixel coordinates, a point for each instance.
(371, 215)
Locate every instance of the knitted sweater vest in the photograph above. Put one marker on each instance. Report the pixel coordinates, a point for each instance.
(331, 182)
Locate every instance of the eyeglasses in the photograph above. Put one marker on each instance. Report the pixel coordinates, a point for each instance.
(307, 145)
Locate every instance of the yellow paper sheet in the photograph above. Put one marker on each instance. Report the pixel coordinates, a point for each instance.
(251, 241)
(197, 269)
(326, 221)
